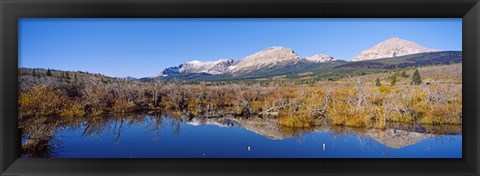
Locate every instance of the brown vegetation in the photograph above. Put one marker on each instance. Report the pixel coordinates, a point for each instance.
(355, 102)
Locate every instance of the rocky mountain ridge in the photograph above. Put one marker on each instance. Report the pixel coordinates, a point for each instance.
(392, 47)
(279, 60)
(268, 58)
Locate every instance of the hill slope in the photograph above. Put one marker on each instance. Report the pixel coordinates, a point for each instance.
(430, 58)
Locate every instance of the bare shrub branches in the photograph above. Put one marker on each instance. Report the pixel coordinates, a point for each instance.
(355, 102)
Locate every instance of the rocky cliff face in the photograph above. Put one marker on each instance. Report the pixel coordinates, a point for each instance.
(391, 48)
(267, 58)
(170, 71)
(210, 67)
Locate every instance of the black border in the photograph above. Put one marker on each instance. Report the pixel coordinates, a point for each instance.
(11, 10)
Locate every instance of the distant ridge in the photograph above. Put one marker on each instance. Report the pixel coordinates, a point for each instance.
(271, 57)
(285, 62)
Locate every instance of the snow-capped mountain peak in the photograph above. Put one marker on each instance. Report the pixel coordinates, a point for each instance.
(210, 67)
(320, 58)
(268, 58)
(391, 48)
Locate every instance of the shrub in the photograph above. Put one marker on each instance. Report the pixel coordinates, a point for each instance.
(377, 82)
(345, 102)
(393, 79)
(298, 122)
(383, 89)
(404, 74)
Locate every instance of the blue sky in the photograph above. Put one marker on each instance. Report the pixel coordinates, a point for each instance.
(144, 47)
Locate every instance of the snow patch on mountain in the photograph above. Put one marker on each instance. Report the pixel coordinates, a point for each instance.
(320, 58)
(210, 67)
(268, 58)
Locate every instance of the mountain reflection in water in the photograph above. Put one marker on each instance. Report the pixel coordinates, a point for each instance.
(155, 135)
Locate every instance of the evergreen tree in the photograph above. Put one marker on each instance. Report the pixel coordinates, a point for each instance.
(416, 78)
(393, 79)
(49, 73)
(377, 82)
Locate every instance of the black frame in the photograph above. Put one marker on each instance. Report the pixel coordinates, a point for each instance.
(10, 10)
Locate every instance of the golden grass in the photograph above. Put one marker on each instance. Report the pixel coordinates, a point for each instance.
(354, 102)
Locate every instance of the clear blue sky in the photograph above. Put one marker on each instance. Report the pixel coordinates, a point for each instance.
(144, 47)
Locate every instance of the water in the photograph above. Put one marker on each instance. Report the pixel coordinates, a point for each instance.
(160, 136)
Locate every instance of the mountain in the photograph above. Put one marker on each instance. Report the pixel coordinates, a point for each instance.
(393, 47)
(280, 62)
(130, 78)
(170, 71)
(320, 58)
(268, 62)
(273, 56)
(272, 61)
(209, 67)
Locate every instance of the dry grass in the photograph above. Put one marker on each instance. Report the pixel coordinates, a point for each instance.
(355, 102)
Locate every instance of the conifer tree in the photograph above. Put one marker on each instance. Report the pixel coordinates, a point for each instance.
(49, 73)
(416, 78)
(393, 79)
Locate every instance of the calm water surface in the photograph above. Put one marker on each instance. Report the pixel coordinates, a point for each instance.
(160, 136)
